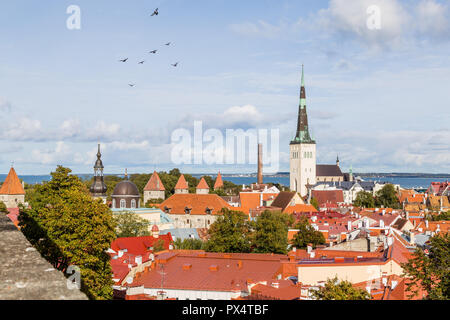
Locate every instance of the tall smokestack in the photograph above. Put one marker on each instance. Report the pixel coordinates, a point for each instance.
(260, 164)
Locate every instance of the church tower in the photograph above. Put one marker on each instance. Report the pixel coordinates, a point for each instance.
(302, 150)
(98, 187)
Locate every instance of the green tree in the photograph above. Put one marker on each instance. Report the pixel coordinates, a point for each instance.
(189, 244)
(230, 233)
(306, 235)
(444, 216)
(340, 290)
(387, 197)
(68, 227)
(3, 208)
(364, 199)
(129, 224)
(271, 232)
(158, 246)
(315, 203)
(430, 272)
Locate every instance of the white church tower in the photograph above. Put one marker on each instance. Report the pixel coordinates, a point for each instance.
(302, 151)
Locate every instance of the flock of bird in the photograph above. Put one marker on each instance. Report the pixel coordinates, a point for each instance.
(155, 13)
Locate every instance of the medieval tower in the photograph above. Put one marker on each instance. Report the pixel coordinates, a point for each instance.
(302, 150)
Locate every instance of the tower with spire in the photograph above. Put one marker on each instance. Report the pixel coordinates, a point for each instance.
(302, 150)
(98, 188)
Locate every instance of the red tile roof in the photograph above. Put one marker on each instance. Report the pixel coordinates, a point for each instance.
(140, 245)
(219, 182)
(181, 184)
(202, 184)
(328, 196)
(12, 184)
(300, 208)
(210, 271)
(154, 183)
(198, 203)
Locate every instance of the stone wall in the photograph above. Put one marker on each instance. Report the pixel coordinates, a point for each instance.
(24, 274)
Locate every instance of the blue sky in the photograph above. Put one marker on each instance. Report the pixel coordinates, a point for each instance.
(378, 98)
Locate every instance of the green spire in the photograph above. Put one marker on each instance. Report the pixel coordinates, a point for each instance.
(302, 134)
(303, 76)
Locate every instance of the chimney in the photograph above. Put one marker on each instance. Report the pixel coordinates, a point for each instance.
(394, 284)
(349, 226)
(120, 253)
(138, 260)
(260, 199)
(294, 249)
(239, 264)
(381, 223)
(412, 238)
(426, 224)
(384, 281)
(260, 164)
(309, 248)
(368, 289)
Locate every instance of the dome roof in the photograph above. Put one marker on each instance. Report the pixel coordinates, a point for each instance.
(98, 186)
(126, 188)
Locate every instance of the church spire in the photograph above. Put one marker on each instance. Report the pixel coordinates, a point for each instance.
(302, 135)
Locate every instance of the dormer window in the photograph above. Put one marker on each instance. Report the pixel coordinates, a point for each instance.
(187, 210)
(209, 210)
(167, 209)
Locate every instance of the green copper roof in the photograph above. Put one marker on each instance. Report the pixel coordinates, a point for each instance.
(302, 135)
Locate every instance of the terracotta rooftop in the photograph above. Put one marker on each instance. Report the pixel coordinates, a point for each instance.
(328, 196)
(181, 184)
(12, 184)
(210, 271)
(154, 183)
(198, 203)
(202, 184)
(219, 182)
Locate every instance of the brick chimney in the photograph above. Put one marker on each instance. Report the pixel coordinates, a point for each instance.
(260, 164)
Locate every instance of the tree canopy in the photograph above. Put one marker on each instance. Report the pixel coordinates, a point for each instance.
(387, 197)
(271, 231)
(3, 207)
(364, 199)
(68, 227)
(430, 271)
(306, 235)
(230, 233)
(340, 290)
(129, 224)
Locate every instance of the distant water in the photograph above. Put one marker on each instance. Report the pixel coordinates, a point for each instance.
(405, 182)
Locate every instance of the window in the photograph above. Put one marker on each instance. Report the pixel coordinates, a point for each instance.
(133, 204)
(123, 203)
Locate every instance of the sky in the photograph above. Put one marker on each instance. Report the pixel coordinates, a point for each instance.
(378, 98)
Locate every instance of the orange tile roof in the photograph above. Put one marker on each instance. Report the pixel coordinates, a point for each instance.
(12, 184)
(154, 183)
(202, 184)
(219, 182)
(210, 271)
(181, 184)
(300, 208)
(197, 202)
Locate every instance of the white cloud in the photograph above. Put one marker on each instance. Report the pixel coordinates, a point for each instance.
(62, 154)
(433, 18)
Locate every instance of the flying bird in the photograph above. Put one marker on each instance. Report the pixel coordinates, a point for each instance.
(124, 60)
(153, 51)
(175, 64)
(131, 84)
(141, 62)
(168, 43)
(155, 13)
